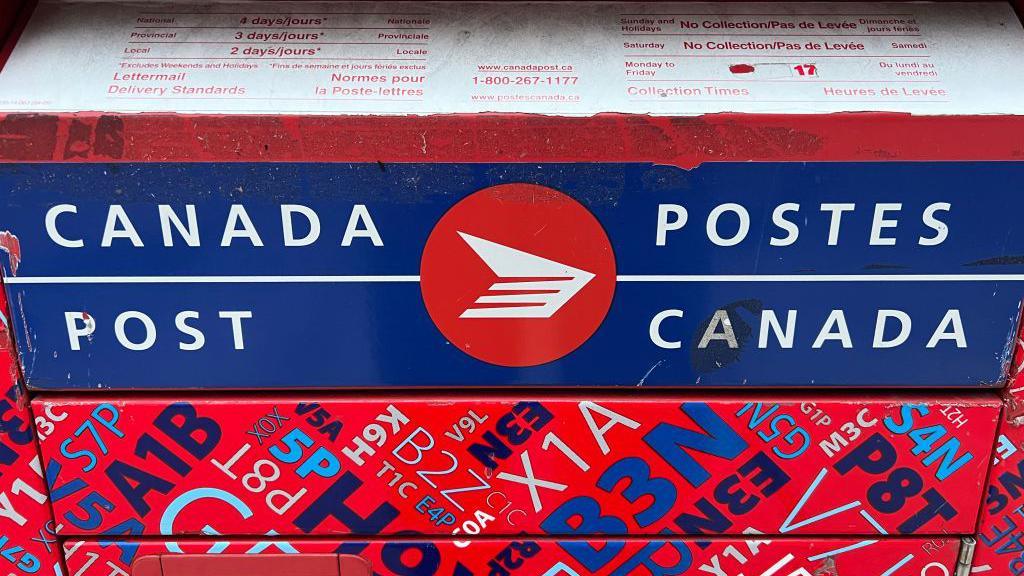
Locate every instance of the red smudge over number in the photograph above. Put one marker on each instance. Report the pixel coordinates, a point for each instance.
(9, 243)
(741, 68)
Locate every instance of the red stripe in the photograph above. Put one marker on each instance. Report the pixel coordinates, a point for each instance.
(684, 142)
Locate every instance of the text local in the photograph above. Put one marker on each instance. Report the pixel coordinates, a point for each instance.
(301, 225)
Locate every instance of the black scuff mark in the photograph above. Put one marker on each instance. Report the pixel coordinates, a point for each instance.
(998, 261)
(878, 266)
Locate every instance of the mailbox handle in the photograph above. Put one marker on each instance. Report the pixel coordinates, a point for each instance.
(252, 565)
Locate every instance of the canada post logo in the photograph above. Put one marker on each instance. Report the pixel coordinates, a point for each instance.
(518, 275)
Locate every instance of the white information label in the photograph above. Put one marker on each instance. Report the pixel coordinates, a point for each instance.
(570, 59)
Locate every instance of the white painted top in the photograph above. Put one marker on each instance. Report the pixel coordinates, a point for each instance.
(570, 59)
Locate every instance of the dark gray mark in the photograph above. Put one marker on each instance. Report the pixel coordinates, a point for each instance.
(718, 354)
(998, 261)
(886, 267)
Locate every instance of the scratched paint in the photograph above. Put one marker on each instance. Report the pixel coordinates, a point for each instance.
(29, 542)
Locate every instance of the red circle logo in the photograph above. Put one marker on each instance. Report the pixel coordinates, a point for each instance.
(517, 275)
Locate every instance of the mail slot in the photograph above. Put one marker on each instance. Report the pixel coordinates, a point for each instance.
(543, 465)
(251, 565)
(521, 557)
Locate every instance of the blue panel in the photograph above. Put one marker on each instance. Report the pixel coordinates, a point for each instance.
(341, 333)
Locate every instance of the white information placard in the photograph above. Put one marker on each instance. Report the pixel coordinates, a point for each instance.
(546, 58)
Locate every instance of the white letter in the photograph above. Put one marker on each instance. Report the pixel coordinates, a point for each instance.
(712, 224)
(7, 509)
(198, 340)
(952, 317)
(147, 323)
(838, 319)
(879, 222)
(664, 225)
(286, 224)
(235, 215)
(190, 233)
(75, 332)
(51, 226)
(289, 500)
(655, 329)
(881, 319)
(116, 215)
(940, 227)
(721, 318)
(770, 320)
(236, 325)
(837, 218)
(586, 407)
(791, 229)
(361, 214)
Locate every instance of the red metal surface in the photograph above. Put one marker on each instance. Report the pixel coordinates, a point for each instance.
(509, 138)
(28, 542)
(251, 565)
(499, 466)
(1000, 549)
(525, 557)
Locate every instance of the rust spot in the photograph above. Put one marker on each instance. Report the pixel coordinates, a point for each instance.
(741, 68)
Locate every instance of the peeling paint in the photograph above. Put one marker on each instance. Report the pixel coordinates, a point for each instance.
(827, 568)
(10, 244)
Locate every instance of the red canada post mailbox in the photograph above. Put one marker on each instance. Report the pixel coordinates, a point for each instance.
(533, 289)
